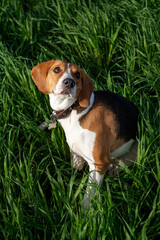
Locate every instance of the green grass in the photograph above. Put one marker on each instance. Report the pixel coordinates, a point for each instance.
(118, 45)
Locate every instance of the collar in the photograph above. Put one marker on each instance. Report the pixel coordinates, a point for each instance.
(63, 113)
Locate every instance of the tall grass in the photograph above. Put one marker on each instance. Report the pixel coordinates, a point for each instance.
(117, 43)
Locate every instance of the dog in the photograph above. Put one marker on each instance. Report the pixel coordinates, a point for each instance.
(98, 125)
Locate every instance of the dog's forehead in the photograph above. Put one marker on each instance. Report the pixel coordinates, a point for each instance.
(60, 63)
(65, 66)
(74, 67)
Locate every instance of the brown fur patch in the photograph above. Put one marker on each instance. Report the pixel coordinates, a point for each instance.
(103, 122)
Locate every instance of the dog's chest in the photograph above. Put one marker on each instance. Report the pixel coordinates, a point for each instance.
(80, 140)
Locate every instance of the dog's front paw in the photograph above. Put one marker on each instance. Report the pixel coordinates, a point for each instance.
(78, 162)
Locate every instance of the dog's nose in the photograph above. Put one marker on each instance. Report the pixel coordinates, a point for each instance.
(69, 82)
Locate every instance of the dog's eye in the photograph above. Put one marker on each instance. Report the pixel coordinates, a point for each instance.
(57, 70)
(77, 75)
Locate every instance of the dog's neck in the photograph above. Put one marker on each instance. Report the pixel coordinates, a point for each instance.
(65, 112)
(61, 114)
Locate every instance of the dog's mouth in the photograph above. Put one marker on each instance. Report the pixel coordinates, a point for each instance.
(64, 92)
(67, 92)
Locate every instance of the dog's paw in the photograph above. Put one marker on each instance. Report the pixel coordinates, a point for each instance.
(113, 168)
(118, 164)
(78, 162)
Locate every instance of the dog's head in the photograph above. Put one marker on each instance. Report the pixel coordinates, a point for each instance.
(64, 82)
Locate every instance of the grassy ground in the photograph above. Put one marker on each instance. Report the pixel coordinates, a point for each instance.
(118, 45)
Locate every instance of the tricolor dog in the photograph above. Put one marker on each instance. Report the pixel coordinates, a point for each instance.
(98, 125)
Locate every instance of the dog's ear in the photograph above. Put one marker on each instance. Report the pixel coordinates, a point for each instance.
(39, 74)
(86, 90)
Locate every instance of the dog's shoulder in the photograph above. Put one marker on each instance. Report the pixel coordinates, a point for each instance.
(115, 102)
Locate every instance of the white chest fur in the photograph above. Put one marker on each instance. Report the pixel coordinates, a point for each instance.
(81, 141)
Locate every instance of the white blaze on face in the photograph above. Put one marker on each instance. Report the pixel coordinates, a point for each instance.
(60, 101)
